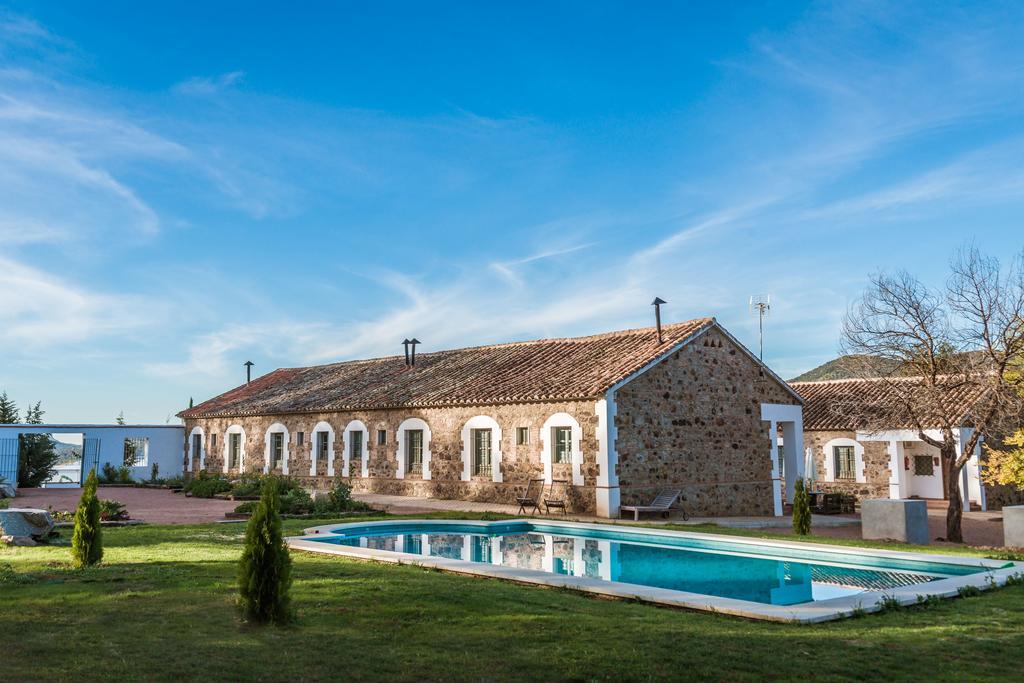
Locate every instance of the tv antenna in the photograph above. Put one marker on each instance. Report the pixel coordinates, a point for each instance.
(762, 303)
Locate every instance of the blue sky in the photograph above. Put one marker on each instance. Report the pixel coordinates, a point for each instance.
(188, 186)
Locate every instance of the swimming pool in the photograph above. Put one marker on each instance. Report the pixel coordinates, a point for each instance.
(751, 577)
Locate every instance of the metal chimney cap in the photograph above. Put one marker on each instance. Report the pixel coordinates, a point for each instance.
(658, 301)
(414, 340)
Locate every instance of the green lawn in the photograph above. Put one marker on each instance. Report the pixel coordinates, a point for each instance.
(162, 608)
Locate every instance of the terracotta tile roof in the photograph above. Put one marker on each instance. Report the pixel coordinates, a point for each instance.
(829, 405)
(542, 370)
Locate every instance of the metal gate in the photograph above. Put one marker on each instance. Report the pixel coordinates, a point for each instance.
(9, 460)
(90, 457)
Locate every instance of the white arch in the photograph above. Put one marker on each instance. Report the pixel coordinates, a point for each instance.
(275, 428)
(407, 424)
(234, 429)
(858, 454)
(202, 448)
(481, 422)
(314, 444)
(562, 420)
(346, 454)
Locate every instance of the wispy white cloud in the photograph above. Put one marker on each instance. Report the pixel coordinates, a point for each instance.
(40, 312)
(209, 85)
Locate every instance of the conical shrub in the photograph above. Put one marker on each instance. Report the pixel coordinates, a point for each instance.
(87, 540)
(264, 572)
(801, 509)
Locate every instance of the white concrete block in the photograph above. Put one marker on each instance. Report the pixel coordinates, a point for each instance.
(1013, 526)
(897, 520)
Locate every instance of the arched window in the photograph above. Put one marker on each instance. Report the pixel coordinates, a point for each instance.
(234, 449)
(275, 455)
(844, 461)
(561, 442)
(413, 448)
(481, 448)
(354, 442)
(196, 448)
(321, 443)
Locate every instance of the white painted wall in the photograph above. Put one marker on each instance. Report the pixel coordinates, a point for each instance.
(166, 444)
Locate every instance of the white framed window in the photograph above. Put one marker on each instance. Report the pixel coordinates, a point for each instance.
(321, 442)
(562, 437)
(845, 463)
(354, 454)
(413, 439)
(414, 450)
(844, 460)
(522, 436)
(482, 452)
(136, 451)
(196, 453)
(276, 449)
(234, 448)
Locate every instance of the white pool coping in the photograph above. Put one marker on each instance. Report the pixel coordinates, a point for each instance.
(812, 612)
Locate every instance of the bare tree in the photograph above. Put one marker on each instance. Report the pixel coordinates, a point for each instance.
(947, 354)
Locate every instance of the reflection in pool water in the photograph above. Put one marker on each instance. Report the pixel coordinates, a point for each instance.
(720, 572)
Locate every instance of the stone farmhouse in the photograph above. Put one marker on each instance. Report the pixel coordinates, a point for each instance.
(616, 416)
(890, 463)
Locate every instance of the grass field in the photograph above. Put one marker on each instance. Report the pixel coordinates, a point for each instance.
(161, 607)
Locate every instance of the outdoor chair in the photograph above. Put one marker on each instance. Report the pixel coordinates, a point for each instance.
(531, 496)
(832, 504)
(556, 495)
(661, 503)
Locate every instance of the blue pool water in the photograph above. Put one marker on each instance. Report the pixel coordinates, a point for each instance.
(710, 566)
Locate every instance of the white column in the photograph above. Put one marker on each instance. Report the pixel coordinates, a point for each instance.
(897, 475)
(607, 478)
(792, 452)
(496, 556)
(548, 563)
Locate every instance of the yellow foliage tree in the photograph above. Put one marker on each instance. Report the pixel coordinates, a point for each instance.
(1006, 466)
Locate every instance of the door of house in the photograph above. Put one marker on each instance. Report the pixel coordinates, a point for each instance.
(90, 457)
(9, 460)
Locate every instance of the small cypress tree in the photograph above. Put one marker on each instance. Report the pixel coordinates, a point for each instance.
(264, 572)
(801, 509)
(87, 541)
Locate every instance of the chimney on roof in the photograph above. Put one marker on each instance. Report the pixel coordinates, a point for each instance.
(413, 342)
(405, 343)
(248, 371)
(658, 301)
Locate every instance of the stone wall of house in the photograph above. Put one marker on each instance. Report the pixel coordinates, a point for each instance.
(519, 463)
(876, 466)
(694, 422)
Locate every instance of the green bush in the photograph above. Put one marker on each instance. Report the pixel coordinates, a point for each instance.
(296, 502)
(339, 499)
(5, 503)
(247, 507)
(264, 571)
(87, 540)
(177, 482)
(112, 511)
(205, 486)
(801, 510)
(248, 484)
(115, 475)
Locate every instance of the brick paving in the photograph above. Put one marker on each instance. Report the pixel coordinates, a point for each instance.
(156, 506)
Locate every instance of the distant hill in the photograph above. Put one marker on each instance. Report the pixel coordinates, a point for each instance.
(842, 368)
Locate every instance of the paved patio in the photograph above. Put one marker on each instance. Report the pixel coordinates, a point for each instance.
(156, 506)
(160, 506)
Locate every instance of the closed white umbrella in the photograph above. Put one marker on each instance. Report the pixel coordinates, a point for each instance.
(809, 466)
